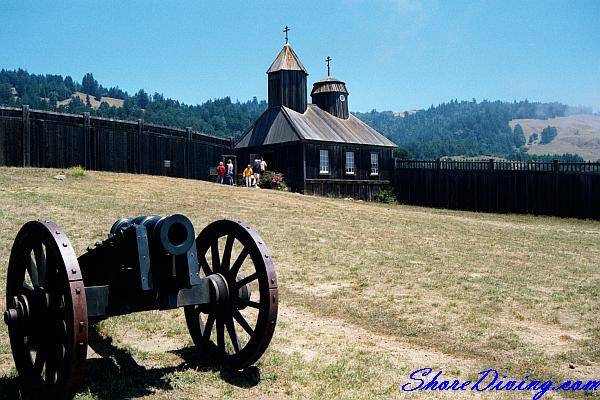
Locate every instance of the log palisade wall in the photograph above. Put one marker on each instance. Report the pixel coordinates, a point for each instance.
(549, 188)
(47, 139)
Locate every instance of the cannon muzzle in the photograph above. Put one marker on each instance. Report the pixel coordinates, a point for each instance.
(171, 235)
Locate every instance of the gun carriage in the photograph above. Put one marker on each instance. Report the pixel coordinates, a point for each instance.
(224, 279)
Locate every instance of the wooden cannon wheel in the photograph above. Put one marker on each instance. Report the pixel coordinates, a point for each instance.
(235, 331)
(47, 313)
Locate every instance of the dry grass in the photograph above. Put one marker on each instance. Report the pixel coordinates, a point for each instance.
(577, 134)
(369, 292)
(93, 102)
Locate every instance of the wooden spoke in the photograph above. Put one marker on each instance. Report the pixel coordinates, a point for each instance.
(214, 249)
(40, 261)
(225, 264)
(210, 321)
(246, 280)
(28, 290)
(204, 265)
(233, 335)
(33, 272)
(238, 262)
(248, 303)
(242, 321)
(220, 335)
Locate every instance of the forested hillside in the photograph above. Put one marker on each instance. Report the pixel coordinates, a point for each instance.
(464, 128)
(220, 117)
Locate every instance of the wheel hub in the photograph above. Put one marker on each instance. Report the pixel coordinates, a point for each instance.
(18, 312)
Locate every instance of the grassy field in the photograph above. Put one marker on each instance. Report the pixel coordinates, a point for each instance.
(368, 292)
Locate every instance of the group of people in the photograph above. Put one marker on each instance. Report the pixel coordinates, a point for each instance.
(251, 174)
(225, 172)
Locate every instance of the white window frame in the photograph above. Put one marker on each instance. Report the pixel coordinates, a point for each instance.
(324, 161)
(350, 163)
(374, 165)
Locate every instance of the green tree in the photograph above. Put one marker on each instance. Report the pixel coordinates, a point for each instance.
(533, 137)
(519, 136)
(6, 96)
(548, 134)
(142, 99)
(89, 85)
(402, 153)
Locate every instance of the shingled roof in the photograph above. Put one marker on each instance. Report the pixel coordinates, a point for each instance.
(281, 125)
(287, 60)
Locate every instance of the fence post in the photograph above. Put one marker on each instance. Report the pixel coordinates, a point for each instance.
(491, 164)
(86, 140)
(438, 163)
(26, 138)
(140, 132)
(555, 203)
(188, 152)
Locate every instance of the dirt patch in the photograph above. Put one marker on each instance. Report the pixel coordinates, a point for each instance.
(321, 338)
(153, 344)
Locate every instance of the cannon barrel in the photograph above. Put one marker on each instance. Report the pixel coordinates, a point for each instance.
(146, 252)
(171, 235)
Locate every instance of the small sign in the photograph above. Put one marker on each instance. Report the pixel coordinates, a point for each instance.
(167, 163)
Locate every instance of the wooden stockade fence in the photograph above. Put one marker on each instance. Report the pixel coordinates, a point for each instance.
(48, 139)
(567, 189)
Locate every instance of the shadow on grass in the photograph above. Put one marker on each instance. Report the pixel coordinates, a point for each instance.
(116, 376)
(9, 388)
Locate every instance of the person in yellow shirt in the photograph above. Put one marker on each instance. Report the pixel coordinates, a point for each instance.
(248, 175)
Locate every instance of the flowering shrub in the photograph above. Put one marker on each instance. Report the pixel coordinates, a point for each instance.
(272, 180)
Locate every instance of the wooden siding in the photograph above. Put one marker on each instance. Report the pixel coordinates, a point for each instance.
(47, 139)
(330, 102)
(288, 88)
(535, 188)
(360, 190)
(337, 161)
(285, 158)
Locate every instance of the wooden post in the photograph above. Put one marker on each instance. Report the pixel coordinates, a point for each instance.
(139, 167)
(188, 153)
(26, 138)
(86, 141)
(491, 164)
(555, 204)
(438, 164)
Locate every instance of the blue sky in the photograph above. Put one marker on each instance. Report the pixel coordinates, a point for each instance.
(393, 54)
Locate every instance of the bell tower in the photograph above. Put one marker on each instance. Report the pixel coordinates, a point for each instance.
(331, 95)
(287, 80)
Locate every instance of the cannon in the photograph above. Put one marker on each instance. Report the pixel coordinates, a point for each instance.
(224, 279)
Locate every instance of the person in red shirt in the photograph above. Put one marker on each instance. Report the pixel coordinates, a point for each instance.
(220, 172)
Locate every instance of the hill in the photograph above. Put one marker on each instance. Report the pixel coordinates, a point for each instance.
(219, 117)
(368, 292)
(577, 134)
(465, 128)
(95, 104)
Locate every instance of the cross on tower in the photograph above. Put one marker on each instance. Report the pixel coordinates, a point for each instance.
(286, 30)
(328, 59)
